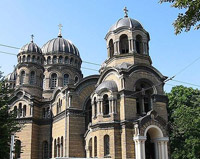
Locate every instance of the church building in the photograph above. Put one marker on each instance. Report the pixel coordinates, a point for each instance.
(120, 113)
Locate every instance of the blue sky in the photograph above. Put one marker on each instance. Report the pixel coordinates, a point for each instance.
(86, 22)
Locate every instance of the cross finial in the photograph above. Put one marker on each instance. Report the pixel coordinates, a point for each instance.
(60, 30)
(125, 12)
(32, 36)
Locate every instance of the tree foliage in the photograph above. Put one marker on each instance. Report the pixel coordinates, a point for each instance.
(8, 124)
(184, 118)
(189, 18)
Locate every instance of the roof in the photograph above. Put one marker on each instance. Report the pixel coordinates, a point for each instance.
(107, 85)
(30, 47)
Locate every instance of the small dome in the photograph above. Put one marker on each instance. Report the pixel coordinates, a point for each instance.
(30, 47)
(126, 23)
(59, 44)
(11, 76)
(107, 85)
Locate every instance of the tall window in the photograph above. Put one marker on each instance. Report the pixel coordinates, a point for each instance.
(58, 147)
(143, 100)
(28, 58)
(76, 79)
(95, 107)
(106, 145)
(60, 59)
(20, 110)
(90, 148)
(24, 110)
(139, 47)
(22, 77)
(65, 79)
(61, 147)
(54, 60)
(49, 60)
(23, 59)
(15, 111)
(71, 61)
(32, 77)
(53, 80)
(66, 60)
(124, 47)
(95, 146)
(45, 150)
(55, 148)
(18, 149)
(33, 59)
(105, 105)
(111, 48)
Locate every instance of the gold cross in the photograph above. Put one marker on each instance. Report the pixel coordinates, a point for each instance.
(60, 29)
(126, 12)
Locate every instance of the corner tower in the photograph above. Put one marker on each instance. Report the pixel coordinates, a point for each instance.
(127, 40)
(30, 69)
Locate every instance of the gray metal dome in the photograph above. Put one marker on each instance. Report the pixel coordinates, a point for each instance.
(59, 44)
(30, 47)
(126, 23)
(11, 76)
(107, 85)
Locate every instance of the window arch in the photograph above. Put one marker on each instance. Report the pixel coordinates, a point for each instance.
(124, 46)
(20, 110)
(48, 60)
(33, 58)
(22, 77)
(32, 77)
(20, 59)
(54, 80)
(105, 105)
(95, 107)
(28, 58)
(38, 59)
(106, 145)
(24, 110)
(76, 79)
(58, 147)
(143, 100)
(65, 79)
(71, 61)
(61, 147)
(55, 148)
(54, 60)
(15, 111)
(95, 146)
(139, 47)
(90, 148)
(66, 60)
(18, 149)
(60, 59)
(24, 59)
(45, 150)
(111, 48)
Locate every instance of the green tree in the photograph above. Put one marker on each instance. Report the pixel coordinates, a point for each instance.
(8, 124)
(184, 119)
(189, 17)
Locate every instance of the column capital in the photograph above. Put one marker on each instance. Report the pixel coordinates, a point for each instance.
(139, 138)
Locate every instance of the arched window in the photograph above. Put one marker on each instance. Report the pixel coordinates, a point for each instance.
(106, 145)
(24, 110)
(90, 148)
(49, 60)
(66, 60)
(75, 62)
(60, 59)
(139, 47)
(105, 105)
(22, 77)
(111, 48)
(55, 148)
(95, 107)
(95, 146)
(124, 46)
(15, 111)
(88, 113)
(32, 77)
(28, 58)
(61, 147)
(53, 80)
(143, 100)
(58, 147)
(38, 59)
(65, 79)
(71, 61)
(76, 79)
(33, 59)
(54, 60)
(45, 150)
(20, 110)
(24, 59)
(20, 59)
(17, 149)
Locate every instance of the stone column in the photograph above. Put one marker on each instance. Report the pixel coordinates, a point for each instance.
(161, 148)
(93, 109)
(115, 48)
(110, 106)
(134, 45)
(140, 147)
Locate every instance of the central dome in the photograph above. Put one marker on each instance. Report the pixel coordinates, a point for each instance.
(126, 23)
(59, 45)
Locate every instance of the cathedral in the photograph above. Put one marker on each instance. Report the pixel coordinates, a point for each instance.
(120, 113)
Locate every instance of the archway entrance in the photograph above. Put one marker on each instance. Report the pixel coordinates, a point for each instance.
(88, 113)
(150, 148)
